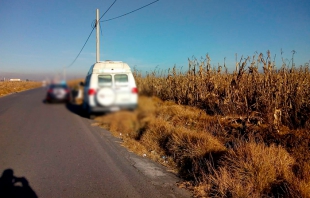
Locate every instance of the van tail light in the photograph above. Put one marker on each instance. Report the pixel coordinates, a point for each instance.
(134, 90)
(91, 92)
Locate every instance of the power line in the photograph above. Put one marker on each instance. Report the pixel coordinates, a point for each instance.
(107, 10)
(90, 35)
(94, 24)
(82, 48)
(129, 12)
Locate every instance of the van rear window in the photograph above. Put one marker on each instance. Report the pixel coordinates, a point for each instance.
(121, 79)
(105, 80)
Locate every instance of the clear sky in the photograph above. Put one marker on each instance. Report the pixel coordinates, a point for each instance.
(40, 37)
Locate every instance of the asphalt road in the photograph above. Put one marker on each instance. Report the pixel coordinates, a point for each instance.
(62, 155)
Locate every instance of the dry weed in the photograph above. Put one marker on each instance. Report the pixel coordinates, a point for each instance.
(278, 96)
(239, 134)
(254, 170)
(13, 87)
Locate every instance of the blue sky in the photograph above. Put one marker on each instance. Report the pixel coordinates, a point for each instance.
(38, 38)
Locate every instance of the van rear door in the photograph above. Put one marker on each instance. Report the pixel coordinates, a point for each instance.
(124, 84)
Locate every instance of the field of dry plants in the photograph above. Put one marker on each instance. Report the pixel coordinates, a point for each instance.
(239, 134)
(7, 87)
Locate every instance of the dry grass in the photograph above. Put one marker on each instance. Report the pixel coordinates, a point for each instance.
(253, 170)
(74, 83)
(274, 104)
(240, 134)
(160, 130)
(13, 87)
(278, 96)
(193, 145)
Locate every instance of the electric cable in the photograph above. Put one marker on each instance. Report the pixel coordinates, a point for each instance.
(129, 12)
(81, 49)
(94, 26)
(107, 10)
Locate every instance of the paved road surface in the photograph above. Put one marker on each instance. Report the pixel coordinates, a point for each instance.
(62, 155)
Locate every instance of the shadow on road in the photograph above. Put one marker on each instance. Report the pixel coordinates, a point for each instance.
(44, 101)
(11, 186)
(76, 109)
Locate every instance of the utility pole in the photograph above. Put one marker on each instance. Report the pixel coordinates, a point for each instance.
(97, 37)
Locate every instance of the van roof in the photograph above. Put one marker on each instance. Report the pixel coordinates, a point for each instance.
(111, 66)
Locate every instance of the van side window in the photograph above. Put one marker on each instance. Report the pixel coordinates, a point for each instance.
(90, 71)
(105, 80)
(121, 79)
(87, 80)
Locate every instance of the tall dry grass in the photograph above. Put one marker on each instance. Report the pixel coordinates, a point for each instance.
(258, 97)
(238, 134)
(253, 170)
(278, 95)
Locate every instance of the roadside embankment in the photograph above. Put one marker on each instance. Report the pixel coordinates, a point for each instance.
(215, 156)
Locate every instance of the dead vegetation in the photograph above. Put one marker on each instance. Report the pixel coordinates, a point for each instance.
(203, 150)
(276, 95)
(240, 134)
(8, 87)
(75, 83)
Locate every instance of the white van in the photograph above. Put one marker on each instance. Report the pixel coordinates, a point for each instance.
(109, 86)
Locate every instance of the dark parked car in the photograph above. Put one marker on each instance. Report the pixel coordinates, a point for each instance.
(58, 93)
